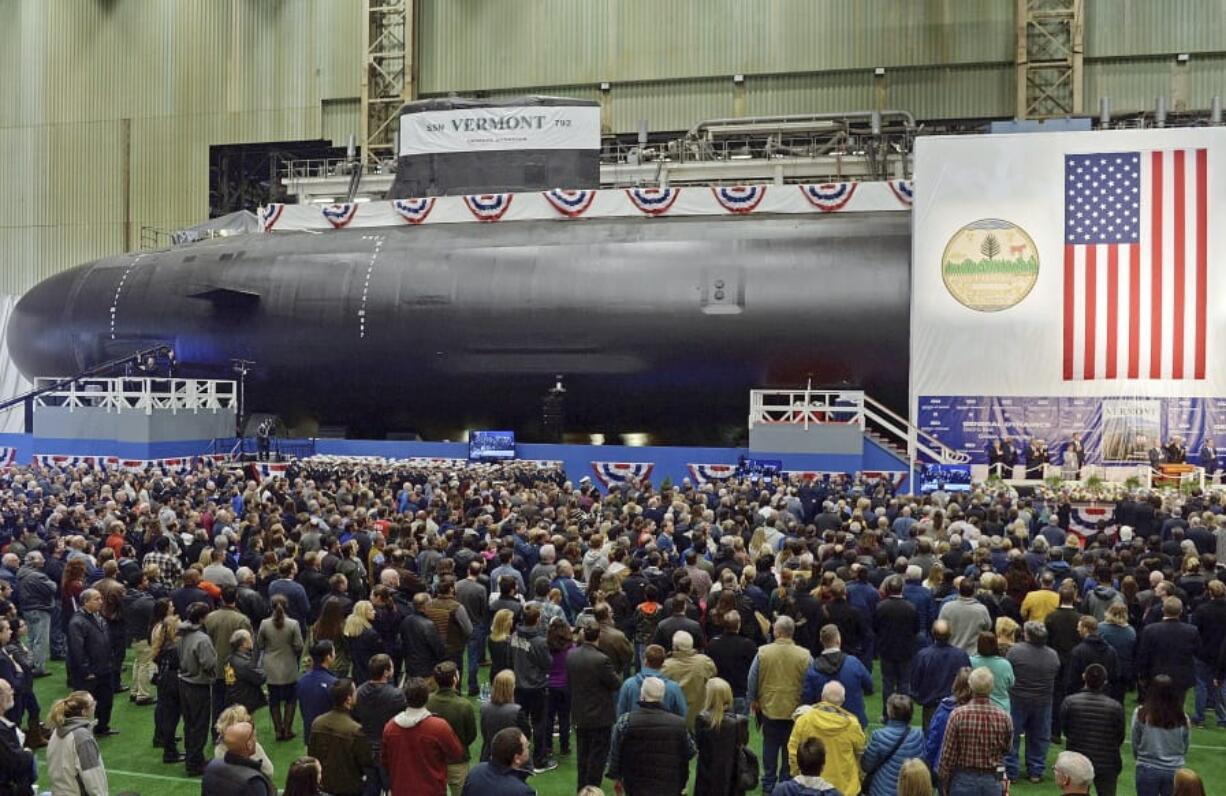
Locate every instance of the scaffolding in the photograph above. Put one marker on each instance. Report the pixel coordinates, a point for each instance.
(387, 74)
(1050, 37)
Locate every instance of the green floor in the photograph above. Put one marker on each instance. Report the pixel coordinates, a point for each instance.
(133, 765)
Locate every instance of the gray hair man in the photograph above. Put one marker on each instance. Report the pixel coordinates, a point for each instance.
(776, 677)
(1074, 773)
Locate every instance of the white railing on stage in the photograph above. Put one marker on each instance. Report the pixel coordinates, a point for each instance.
(849, 407)
(807, 407)
(141, 395)
(1108, 473)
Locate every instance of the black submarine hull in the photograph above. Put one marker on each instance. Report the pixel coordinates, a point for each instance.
(657, 325)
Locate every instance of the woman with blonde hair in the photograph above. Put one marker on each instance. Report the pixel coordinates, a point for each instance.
(364, 641)
(500, 641)
(237, 714)
(74, 762)
(718, 733)
(1006, 633)
(501, 711)
(163, 632)
(1122, 636)
(914, 779)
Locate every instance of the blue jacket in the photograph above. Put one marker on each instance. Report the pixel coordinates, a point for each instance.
(864, 597)
(934, 670)
(847, 670)
(491, 779)
(313, 698)
(885, 780)
(921, 598)
(628, 697)
(936, 732)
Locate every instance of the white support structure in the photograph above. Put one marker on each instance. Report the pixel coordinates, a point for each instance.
(825, 407)
(145, 395)
(387, 74)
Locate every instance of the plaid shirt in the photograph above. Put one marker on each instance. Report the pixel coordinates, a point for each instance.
(978, 736)
(168, 565)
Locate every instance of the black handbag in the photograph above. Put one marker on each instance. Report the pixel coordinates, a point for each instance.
(748, 769)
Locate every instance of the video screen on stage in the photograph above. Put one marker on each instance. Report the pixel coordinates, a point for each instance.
(491, 445)
(946, 477)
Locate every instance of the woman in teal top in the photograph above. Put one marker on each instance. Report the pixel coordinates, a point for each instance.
(1002, 671)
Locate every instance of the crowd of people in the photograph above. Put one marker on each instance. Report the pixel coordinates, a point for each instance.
(366, 606)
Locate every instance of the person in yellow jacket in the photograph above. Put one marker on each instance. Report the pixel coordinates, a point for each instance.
(839, 731)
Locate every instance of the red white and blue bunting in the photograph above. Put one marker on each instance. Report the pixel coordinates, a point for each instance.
(269, 215)
(571, 204)
(488, 206)
(1083, 518)
(653, 201)
(8, 456)
(340, 215)
(564, 205)
(59, 460)
(704, 473)
(829, 197)
(903, 190)
(272, 469)
(621, 472)
(739, 198)
(414, 211)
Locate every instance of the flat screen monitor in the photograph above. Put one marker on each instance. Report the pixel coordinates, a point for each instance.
(491, 445)
(949, 477)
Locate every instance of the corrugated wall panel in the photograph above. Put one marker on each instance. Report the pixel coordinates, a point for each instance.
(1131, 85)
(952, 92)
(339, 45)
(340, 119)
(486, 46)
(809, 93)
(1145, 27)
(670, 106)
(30, 254)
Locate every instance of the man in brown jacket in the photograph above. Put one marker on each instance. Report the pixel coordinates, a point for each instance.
(340, 746)
(454, 626)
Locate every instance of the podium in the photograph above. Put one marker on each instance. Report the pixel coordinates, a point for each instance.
(1173, 474)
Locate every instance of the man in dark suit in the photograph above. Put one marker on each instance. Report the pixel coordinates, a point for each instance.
(1208, 459)
(1008, 456)
(678, 621)
(89, 658)
(1169, 647)
(594, 686)
(1155, 456)
(996, 458)
(896, 625)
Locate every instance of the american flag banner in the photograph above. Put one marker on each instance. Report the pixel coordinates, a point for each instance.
(1135, 265)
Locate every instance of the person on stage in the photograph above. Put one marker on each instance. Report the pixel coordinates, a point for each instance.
(1208, 459)
(1155, 456)
(1036, 457)
(996, 458)
(1176, 451)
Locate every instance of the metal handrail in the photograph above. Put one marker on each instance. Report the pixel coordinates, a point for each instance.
(817, 407)
(926, 442)
(139, 394)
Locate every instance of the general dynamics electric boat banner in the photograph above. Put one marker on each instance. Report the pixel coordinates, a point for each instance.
(1070, 282)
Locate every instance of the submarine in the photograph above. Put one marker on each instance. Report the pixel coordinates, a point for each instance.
(657, 325)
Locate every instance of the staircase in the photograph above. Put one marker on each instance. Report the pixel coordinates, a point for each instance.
(841, 408)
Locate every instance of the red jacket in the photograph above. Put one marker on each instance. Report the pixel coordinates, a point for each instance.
(416, 748)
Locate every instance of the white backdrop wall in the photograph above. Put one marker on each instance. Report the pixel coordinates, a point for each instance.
(978, 339)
